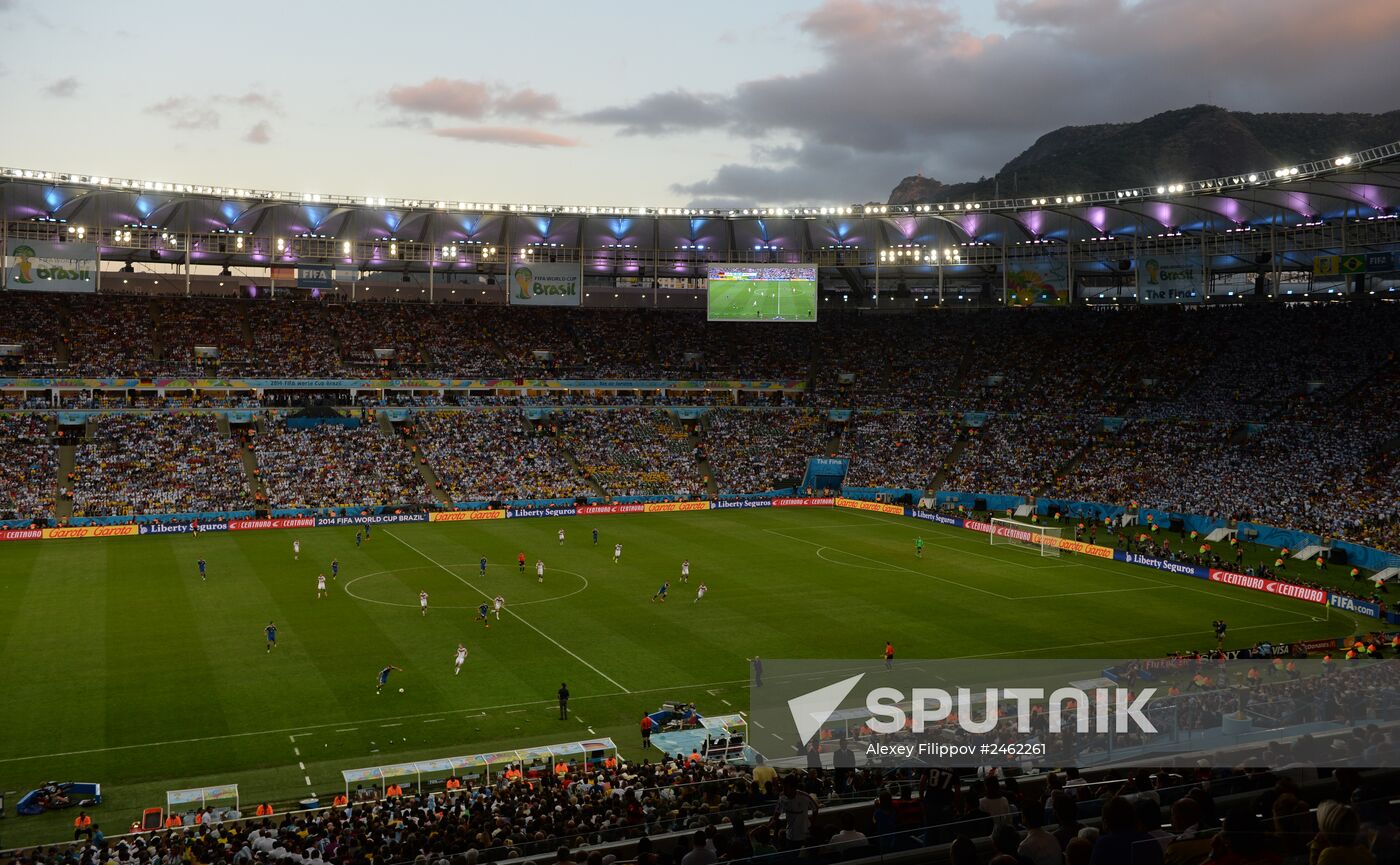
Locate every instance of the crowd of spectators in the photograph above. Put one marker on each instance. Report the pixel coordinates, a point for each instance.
(494, 455)
(901, 449)
(1020, 453)
(110, 336)
(1284, 414)
(331, 465)
(32, 324)
(188, 326)
(762, 449)
(678, 811)
(157, 463)
(293, 339)
(632, 451)
(31, 467)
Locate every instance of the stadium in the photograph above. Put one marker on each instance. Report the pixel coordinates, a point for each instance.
(344, 528)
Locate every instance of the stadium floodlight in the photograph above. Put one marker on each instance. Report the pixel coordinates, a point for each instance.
(281, 244)
(1253, 178)
(345, 247)
(1342, 161)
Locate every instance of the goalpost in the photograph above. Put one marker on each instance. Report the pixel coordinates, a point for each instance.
(1032, 536)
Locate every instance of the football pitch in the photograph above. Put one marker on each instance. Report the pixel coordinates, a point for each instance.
(121, 666)
(762, 300)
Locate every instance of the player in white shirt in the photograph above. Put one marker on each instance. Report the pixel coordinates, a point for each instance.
(461, 659)
(617, 553)
(539, 569)
(498, 603)
(561, 537)
(685, 571)
(700, 592)
(321, 586)
(423, 602)
(296, 549)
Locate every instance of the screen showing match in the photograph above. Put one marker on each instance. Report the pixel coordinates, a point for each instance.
(756, 292)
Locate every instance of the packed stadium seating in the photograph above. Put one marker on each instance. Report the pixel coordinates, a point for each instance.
(495, 456)
(760, 450)
(1279, 413)
(27, 482)
(331, 465)
(157, 463)
(632, 451)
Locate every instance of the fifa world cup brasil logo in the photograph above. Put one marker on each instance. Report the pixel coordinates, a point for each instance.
(523, 277)
(24, 263)
(1152, 269)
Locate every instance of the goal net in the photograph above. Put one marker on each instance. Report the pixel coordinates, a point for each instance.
(1031, 536)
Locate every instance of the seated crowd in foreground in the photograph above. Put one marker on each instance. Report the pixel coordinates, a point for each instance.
(680, 812)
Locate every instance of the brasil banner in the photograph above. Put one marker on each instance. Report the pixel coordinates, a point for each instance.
(543, 283)
(33, 265)
(1170, 279)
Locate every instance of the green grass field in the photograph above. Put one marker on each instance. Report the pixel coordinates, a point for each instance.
(767, 300)
(121, 666)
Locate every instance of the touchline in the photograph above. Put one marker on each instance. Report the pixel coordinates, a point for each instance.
(935, 705)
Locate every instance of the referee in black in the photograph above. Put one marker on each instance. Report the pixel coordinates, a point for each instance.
(563, 701)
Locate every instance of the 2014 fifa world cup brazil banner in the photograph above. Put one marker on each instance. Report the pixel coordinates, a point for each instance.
(33, 265)
(543, 283)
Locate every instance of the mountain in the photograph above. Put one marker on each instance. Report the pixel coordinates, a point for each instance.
(1186, 144)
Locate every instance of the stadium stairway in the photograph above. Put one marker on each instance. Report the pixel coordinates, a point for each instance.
(67, 461)
(425, 471)
(948, 462)
(250, 472)
(578, 467)
(695, 444)
(63, 350)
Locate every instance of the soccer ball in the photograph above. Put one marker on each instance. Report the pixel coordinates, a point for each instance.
(400, 690)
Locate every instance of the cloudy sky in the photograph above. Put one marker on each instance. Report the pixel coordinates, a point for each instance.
(658, 103)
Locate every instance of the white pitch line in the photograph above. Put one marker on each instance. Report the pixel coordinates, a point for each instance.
(1096, 592)
(434, 720)
(296, 751)
(391, 725)
(518, 617)
(590, 732)
(347, 729)
(301, 766)
(1195, 633)
(725, 702)
(890, 566)
(1127, 572)
(308, 779)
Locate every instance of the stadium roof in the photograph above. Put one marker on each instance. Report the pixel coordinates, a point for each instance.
(260, 226)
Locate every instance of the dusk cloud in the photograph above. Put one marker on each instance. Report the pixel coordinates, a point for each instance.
(183, 112)
(905, 85)
(469, 100)
(663, 113)
(514, 135)
(63, 88)
(261, 133)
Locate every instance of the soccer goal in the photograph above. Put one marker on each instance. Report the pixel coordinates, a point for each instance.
(1030, 536)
